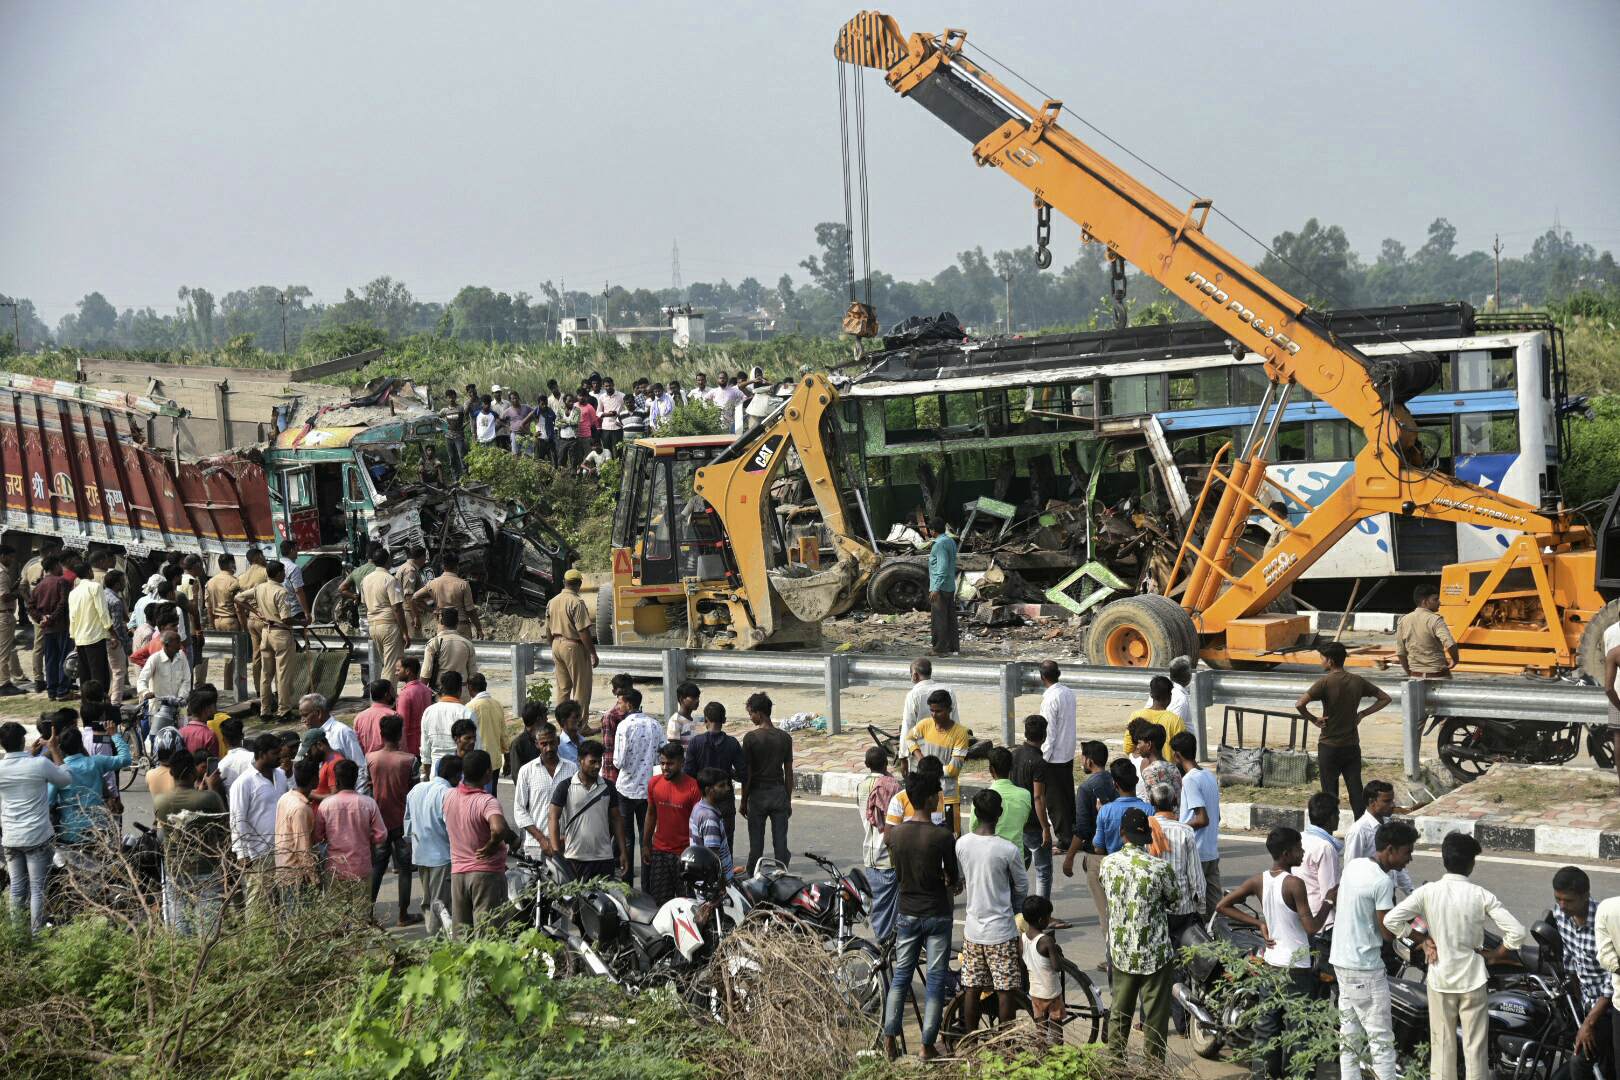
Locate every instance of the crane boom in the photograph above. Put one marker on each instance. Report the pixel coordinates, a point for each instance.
(1026, 142)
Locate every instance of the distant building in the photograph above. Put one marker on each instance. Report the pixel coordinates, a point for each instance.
(684, 327)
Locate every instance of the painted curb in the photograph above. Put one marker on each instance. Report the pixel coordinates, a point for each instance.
(1559, 840)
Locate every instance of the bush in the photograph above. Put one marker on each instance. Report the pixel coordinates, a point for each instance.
(693, 418)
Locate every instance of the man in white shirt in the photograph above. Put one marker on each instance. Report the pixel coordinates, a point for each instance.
(1058, 706)
(253, 801)
(486, 427)
(1366, 897)
(727, 397)
(1611, 671)
(610, 408)
(915, 710)
(1455, 911)
(635, 755)
(314, 712)
(531, 804)
(238, 759)
(1320, 870)
(1181, 669)
(167, 672)
(1359, 838)
(438, 719)
(659, 407)
(25, 816)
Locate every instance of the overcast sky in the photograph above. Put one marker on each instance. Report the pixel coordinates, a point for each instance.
(149, 145)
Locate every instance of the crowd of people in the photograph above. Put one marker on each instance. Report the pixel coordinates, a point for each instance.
(582, 429)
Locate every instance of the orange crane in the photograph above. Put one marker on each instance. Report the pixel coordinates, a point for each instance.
(1541, 606)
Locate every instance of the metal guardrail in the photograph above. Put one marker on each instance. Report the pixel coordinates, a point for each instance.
(1499, 698)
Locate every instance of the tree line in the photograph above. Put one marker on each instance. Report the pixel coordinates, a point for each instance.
(1315, 263)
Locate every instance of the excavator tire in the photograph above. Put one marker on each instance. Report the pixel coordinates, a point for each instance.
(899, 586)
(604, 615)
(1590, 651)
(1141, 631)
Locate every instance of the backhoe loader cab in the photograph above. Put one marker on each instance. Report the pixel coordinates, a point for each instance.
(702, 554)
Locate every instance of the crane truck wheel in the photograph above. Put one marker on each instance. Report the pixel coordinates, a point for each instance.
(604, 614)
(1141, 631)
(1590, 652)
(898, 586)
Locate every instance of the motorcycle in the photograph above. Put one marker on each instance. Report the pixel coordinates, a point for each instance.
(830, 909)
(1534, 1010)
(1469, 746)
(1212, 1016)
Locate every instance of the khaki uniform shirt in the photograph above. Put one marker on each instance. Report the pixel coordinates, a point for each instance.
(380, 592)
(273, 601)
(32, 575)
(220, 597)
(409, 578)
(8, 603)
(449, 652)
(251, 578)
(448, 591)
(567, 616)
(1423, 637)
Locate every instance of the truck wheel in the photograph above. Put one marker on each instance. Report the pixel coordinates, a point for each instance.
(1589, 653)
(898, 587)
(1141, 631)
(604, 614)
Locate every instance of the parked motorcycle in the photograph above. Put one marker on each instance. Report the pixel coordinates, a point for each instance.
(829, 908)
(1212, 1014)
(1534, 1010)
(1469, 746)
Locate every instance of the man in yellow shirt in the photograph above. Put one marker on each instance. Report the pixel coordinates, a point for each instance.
(1160, 713)
(90, 626)
(492, 733)
(943, 738)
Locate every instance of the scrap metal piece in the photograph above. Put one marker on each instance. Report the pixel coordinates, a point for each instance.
(1098, 583)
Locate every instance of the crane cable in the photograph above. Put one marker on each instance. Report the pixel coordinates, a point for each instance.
(860, 168)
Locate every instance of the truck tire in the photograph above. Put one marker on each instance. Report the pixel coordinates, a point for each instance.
(1141, 631)
(1589, 653)
(604, 614)
(897, 587)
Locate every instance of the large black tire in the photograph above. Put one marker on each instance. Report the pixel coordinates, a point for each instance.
(1590, 651)
(899, 586)
(604, 614)
(1141, 631)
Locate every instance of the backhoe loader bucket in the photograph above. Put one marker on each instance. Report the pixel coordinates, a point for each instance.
(813, 596)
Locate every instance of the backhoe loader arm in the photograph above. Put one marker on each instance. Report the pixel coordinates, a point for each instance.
(1026, 142)
(737, 485)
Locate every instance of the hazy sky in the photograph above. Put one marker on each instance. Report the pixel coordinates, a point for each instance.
(148, 145)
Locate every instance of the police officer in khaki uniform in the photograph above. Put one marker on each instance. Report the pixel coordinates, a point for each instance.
(219, 612)
(409, 576)
(1423, 641)
(449, 651)
(573, 648)
(385, 610)
(10, 669)
(255, 575)
(270, 607)
(450, 590)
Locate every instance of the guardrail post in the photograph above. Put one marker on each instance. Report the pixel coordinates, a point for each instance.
(242, 665)
(1414, 710)
(522, 667)
(673, 662)
(1012, 677)
(1200, 696)
(832, 681)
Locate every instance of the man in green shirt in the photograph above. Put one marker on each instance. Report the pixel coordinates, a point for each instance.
(1017, 805)
(196, 834)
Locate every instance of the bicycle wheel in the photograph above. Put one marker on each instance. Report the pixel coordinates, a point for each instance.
(953, 1029)
(1085, 1020)
(137, 750)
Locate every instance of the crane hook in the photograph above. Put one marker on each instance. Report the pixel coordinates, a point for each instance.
(1043, 234)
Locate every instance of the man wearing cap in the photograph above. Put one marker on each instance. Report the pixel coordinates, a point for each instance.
(1141, 889)
(568, 628)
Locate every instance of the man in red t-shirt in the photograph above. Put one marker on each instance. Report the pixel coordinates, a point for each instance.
(477, 828)
(411, 700)
(670, 798)
(392, 773)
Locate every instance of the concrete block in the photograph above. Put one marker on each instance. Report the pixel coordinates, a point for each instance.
(1564, 840)
(840, 785)
(1432, 830)
(1266, 818)
(1236, 816)
(1505, 837)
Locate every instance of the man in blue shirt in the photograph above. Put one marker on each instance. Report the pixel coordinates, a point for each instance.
(1107, 838)
(81, 803)
(430, 838)
(1201, 808)
(942, 590)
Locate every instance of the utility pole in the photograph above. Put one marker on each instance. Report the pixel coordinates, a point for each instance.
(281, 298)
(606, 323)
(16, 324)
(675, 271)
(1497, 247)
(1006, 281)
